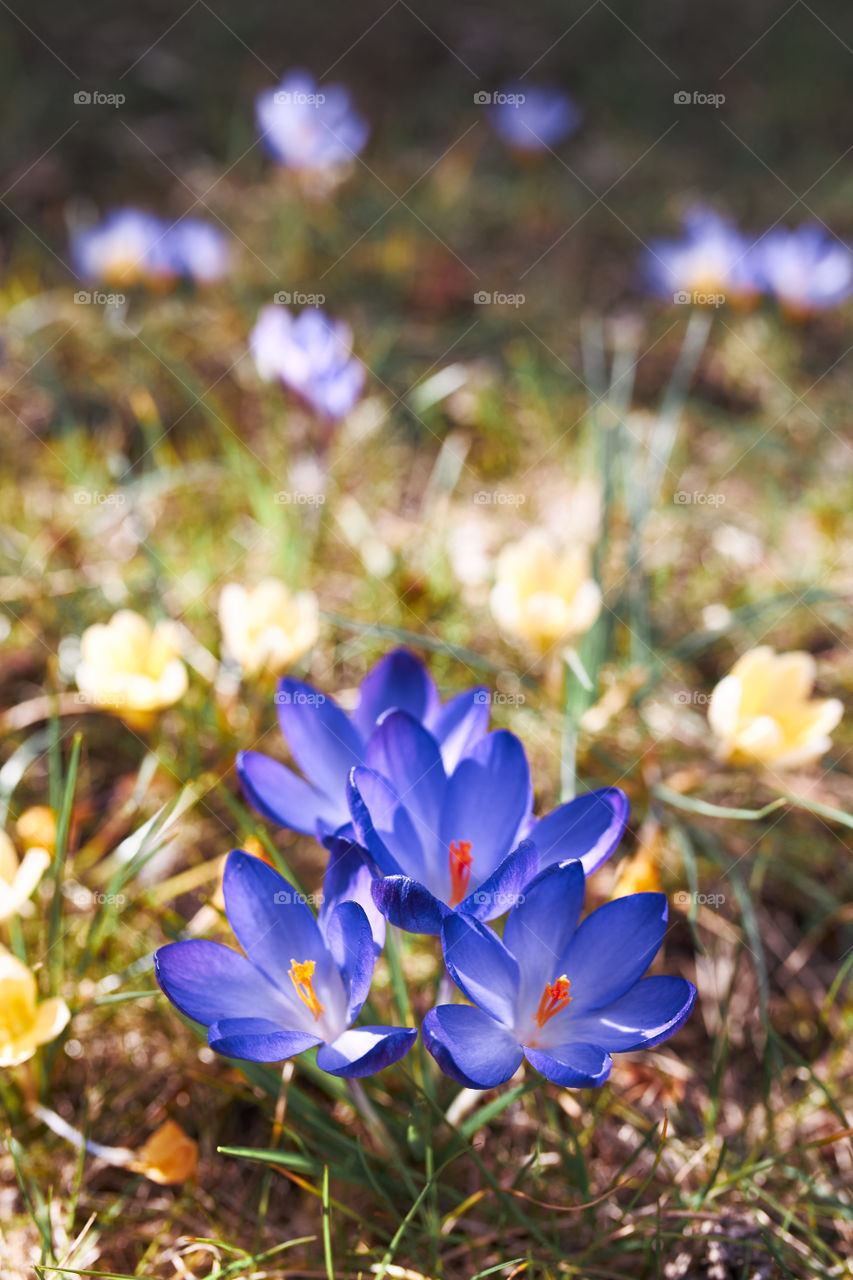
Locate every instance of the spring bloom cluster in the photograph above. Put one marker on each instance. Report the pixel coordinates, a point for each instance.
(805, 270)
(131, 247)
(132, 668)
(267, 628)
(762, 712)
(544, 595)
(428, 820)
(311, 355)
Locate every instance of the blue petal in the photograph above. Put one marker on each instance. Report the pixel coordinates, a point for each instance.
(613, 948)
(208, 981)
(362, 1051)
(350, 872)
(404, 753)
(273, 925)
(588, 827)
(488, 799)
(481, 966)
(322, 739)
(470, 1046)
(408, 904)
(460, 723)
(383, 826)
(350, 943)
(257, 1040)
(399, 681)
(576, 1065)
(540, 928)
(285, 798)
(505, 886)
(647, 1014)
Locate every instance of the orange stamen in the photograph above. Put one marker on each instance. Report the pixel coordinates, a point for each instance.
(301, 975)
(554, 998)
(460, 870)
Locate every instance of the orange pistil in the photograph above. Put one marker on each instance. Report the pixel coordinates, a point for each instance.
(460, 870)
(301, 975)
(554, 998)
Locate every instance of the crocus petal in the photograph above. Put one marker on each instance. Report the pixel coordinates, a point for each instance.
(257, 1040)
(401, 750)
(350, 872)
(272, 923)
(470, 1046)
(350, 942)
(408, 904)
(362, 1051)
(649, 1013)
(481, 966)
(460, 723)
(540, 928)
(399, 681)
(285, 798)
(488, 798)
(383, 825)
(208, 981)
(613, 948)
(505, 887)
(576, 1065)
(588, 827)
(324, 742)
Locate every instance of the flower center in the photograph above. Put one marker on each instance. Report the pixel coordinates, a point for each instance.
(460, 861)
(554, 998)
(302, 977)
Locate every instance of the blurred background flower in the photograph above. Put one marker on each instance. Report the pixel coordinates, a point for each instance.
(25, 1023)
(762, 711)
(132, 668)
(534, 117)
(307, 126)
(543, 594)
(19, 879)
(267, 627)
(129, 247)
(711, 258)
(806, 270)
(312, 355)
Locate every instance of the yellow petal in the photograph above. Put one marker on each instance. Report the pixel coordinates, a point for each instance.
(168, 1156)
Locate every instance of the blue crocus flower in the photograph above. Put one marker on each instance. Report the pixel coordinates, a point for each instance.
(806, 270)
(307, 126)
(312, 355)
(534, 117)
(711, 260)
(563, 997)
(301, 983)
(127, 247)
(326, 742)
(464, 839)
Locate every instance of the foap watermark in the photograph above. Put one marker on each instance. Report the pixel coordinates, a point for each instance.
(684, 899)
(94, 698)
(86, 298)
(299, 698)
(88, 899)
(286, 896)
(96, 98)
(483, 98)
(299, 498)
(506, 901)
(487, 497)
(297, 98)
(486, 298)
(94, 498)
(284, 298)
(684, 298)
(696, 98)
(692, 698)
(698, 498)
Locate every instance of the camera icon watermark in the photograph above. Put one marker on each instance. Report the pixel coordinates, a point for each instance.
(283, 897)
(299, 698)
(89, 899)
(500, 901)
(482, 98)
(692, 698)
(485, 498)
(284, 298)
(299, 498)
(684, 498)
(95, 98)
(296, 98)
(92, 497)
(695, 98)
(484, 298)
(684, 899)
(86, 298)
(686, 298)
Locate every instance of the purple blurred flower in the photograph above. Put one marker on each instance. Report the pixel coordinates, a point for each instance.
(806, 270)
(128, 246)
(302, 982)
(198, 250)
(308, 127)
(312, 355)
(326, 742)
(464, 839)
(562, 996)
(712, 258)
(534, 117)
